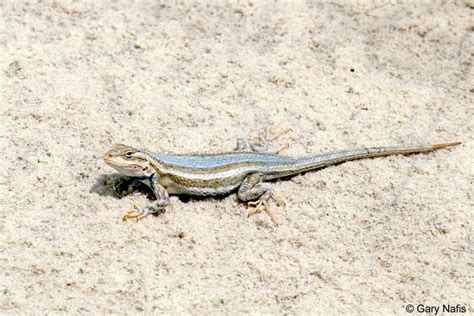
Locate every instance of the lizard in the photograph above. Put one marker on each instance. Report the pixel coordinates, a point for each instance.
(244, 170)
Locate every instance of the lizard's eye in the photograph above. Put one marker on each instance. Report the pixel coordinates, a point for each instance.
(129, 154)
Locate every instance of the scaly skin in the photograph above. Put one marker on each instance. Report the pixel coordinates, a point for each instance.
(244, 172)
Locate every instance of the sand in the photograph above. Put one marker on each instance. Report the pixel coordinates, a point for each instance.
(364, 236)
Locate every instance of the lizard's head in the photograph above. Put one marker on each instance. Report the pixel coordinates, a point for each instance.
(129, 161)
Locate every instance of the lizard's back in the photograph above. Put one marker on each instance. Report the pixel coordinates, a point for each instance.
(211, 161)
(212, 174)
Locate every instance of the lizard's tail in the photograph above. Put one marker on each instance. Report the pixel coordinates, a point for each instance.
(331, 158)
(439, 146)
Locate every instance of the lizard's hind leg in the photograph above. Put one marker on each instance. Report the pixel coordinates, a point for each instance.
(256, 193)
(263, 143)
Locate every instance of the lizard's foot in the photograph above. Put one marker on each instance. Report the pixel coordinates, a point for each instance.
(261, 205)
(264, 142)
(269, 135)
(135, 213)
(282, 147)
(278, 199)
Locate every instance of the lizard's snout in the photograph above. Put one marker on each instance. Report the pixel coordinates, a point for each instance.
(107, 157)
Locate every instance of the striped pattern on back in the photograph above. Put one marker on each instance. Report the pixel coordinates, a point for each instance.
(221, 159)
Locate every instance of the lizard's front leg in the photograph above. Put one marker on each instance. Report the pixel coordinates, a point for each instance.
(162, 200)
(252, 188)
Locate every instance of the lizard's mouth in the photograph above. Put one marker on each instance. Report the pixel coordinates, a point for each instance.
(107, 160)
(110, 160)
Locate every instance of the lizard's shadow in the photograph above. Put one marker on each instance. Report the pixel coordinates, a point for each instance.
(119, 186)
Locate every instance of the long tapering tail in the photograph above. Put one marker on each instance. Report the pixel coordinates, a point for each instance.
(307, 163)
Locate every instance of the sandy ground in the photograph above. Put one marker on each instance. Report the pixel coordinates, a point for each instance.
(365, 236)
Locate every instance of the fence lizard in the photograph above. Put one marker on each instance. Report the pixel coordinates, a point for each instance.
(242, 171)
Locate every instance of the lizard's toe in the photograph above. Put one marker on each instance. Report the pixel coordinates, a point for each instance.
(261, 205)
(134, 213)
(278, 199)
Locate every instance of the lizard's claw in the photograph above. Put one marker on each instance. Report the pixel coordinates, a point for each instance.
(270, 135)
(134, 213)
(261, 205)
(278, 134)
(282, 147)
(278, 199)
